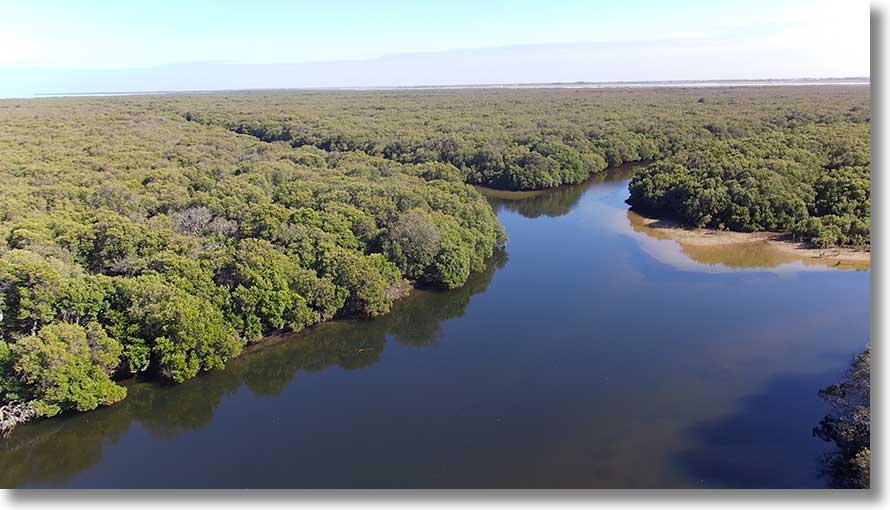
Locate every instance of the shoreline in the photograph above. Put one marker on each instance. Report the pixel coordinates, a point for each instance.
(623, 171)
(402, 290)
(398, 292)
(839, 257)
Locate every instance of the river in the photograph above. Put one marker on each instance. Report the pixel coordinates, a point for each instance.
(590, 355)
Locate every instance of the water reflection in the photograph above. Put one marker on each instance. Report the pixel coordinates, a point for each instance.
(557, 201)
(54, 451)
(738, 450)
(686, 256)
(588, 361)
(758, 254)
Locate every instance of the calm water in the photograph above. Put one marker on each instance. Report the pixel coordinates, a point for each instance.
(592, 355)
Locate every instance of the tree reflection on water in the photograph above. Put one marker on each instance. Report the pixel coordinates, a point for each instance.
(54, 451)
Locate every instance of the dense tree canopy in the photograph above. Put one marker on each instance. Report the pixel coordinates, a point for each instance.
(63, 367)
(507, 140)
(806, 171)
(160, 234)
(133, 241)
(779, 159)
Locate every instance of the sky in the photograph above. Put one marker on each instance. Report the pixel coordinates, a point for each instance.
(104, 46)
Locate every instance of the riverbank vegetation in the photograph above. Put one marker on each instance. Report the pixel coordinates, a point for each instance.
(158, 235)
(805, 169)
(135, 242)
(849, 426)
(32, 453)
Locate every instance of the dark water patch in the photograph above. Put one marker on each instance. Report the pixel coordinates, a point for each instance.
(750, 448)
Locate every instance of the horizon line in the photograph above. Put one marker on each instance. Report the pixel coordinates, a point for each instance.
(809, 81)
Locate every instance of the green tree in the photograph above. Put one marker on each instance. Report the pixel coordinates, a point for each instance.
(184, 333)
(58, 368)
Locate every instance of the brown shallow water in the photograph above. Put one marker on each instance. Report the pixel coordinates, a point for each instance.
(739, 250)
(589, 355)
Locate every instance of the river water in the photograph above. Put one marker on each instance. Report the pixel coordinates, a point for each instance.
(591, 354)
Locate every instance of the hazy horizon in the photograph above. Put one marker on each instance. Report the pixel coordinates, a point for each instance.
(106, 47)
(806, 80)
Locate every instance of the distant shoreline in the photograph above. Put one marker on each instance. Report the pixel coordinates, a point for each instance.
(849, 81)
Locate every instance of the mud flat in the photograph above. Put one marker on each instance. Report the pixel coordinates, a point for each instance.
(749, 247)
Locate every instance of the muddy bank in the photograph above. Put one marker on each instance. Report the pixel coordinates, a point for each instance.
(711, 246)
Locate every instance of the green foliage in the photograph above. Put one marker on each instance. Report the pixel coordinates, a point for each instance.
(265, 286)
(366, 277)
(782, 179)
(508, 140)
(170, 231)
(61, 368)
(728, 158)
(104, 350)
(185, 334)
(169, 244)
(413, 241)
(11, 388)
(30, 285)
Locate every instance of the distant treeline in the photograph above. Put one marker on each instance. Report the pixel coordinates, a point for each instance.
(788, 159)
(513, 140)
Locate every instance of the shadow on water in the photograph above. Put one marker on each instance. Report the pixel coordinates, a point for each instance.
(557, 201)
(54, 451)
(764, 444)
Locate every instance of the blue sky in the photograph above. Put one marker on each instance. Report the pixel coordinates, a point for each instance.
(180, 45)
